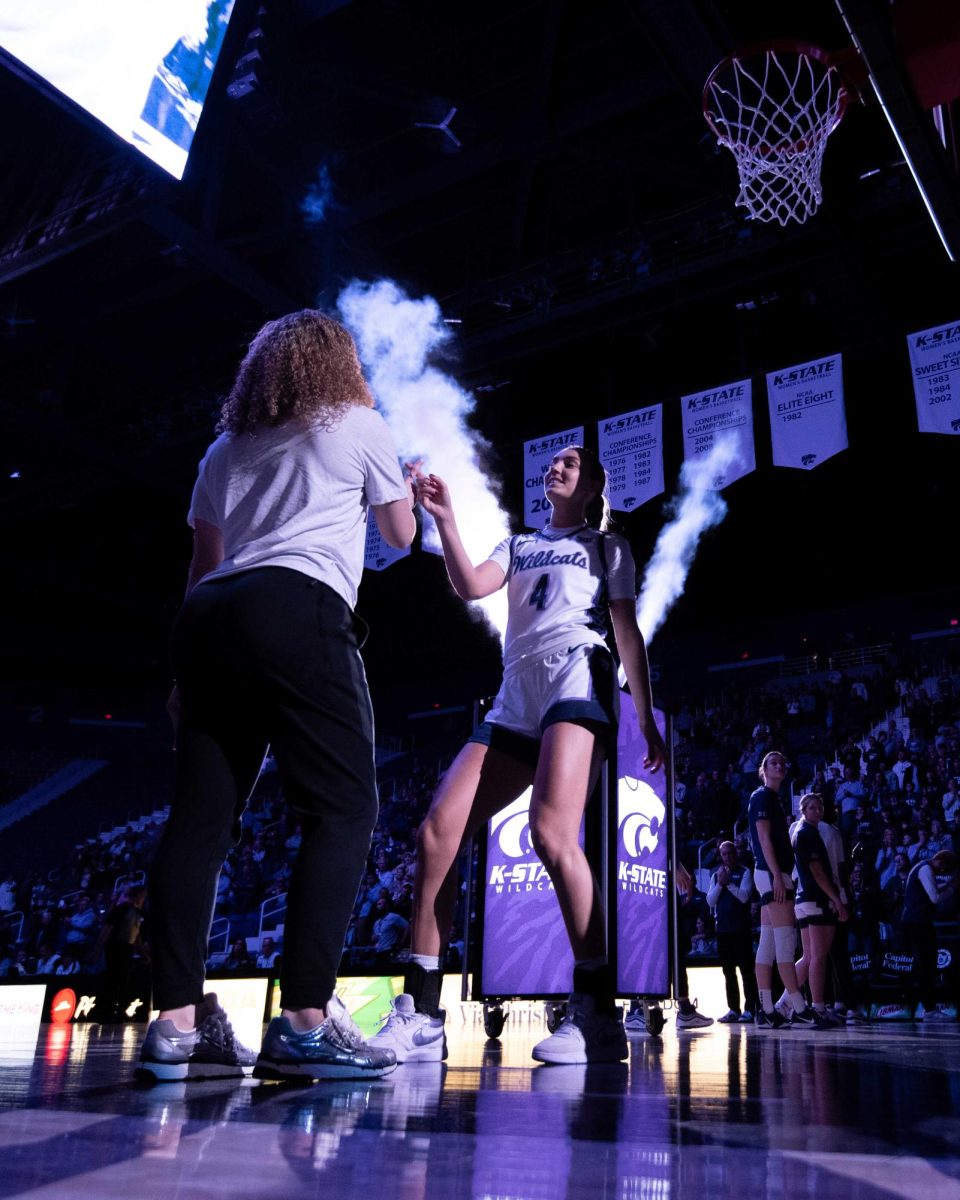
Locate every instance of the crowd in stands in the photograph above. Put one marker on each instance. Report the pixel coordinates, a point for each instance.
(53, 925)
(880, 744)
(881, 749)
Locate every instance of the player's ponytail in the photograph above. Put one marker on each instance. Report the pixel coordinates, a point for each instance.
(597, 513)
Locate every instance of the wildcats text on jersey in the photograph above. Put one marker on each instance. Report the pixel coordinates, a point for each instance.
(547, 558)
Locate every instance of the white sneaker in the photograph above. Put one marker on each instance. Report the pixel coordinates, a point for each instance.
(693, 1020)
(584, 1036)
(633, 1022)
(412, 1036)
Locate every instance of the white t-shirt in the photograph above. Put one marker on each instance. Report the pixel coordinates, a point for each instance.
(297, 497)
(557, 589)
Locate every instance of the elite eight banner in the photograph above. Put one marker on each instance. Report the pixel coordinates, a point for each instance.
(536, 458)
(935, 363)
(631, 450)
(808, 422)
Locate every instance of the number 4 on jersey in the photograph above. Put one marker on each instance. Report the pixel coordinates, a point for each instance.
(538, 596)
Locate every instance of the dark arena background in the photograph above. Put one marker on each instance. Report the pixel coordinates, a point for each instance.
(539, 180)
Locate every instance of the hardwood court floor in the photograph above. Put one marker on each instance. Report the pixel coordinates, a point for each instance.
(861, 1113)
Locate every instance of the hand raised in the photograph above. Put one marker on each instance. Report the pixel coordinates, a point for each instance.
(434, 496)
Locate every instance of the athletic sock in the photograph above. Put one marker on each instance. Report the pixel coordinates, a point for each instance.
(593, 977)
(797, 1001)
(424, 986)
(429, 962)
(766, 999)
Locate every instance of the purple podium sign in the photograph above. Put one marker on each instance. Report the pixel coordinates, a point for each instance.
(525, 947)
(643, 963)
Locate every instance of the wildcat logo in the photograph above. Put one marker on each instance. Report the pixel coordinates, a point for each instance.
(641, 816)
(944, 959)
(628, 502)
(955, 425)
(808, 459)
(512, 827)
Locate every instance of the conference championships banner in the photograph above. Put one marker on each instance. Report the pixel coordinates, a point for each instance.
(631, 450)
(708, 415)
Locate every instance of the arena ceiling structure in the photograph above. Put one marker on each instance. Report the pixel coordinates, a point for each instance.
(543, 170)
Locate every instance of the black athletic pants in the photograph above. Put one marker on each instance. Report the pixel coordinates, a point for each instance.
(735, 951)
(921, 941)
(268, 656)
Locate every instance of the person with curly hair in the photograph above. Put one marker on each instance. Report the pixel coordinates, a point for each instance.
(266, 651)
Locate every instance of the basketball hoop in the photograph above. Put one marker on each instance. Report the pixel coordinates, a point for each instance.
(773, 107)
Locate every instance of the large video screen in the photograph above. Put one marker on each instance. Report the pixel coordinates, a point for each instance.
(142, 67)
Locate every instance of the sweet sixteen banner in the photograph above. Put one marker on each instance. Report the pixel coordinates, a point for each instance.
(935, 362)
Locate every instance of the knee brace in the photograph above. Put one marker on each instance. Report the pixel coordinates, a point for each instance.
(785, 937)
(766, 950)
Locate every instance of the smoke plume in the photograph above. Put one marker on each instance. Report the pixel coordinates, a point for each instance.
(696, 509)
(427, 412)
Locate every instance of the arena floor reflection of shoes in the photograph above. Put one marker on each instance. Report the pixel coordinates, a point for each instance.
(733, 1110)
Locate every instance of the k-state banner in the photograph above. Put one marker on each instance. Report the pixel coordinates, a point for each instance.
(631, 450)
(709, 415)
(935, 363)
(808, 421)
(643, 964)
(525, 947)
(377, 555)
(536, 458)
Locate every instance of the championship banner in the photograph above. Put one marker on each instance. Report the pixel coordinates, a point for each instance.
(631, 450)
(643, 963)
(808, 421)
(377, 555)
(536, 458)
(707, 415)
(935, 362)
(525, 947)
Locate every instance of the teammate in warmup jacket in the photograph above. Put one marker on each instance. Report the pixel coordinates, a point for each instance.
(550, 726)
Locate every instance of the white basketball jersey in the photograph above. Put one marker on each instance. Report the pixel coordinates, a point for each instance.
(559, 585)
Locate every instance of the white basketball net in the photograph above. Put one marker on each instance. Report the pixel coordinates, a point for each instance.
(774, 112)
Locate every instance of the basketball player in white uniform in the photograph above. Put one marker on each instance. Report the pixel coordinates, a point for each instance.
(550, 726)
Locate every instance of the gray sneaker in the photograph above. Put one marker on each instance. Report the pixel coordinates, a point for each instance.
(584, 1036)
(336, 1049)
(210, 1051)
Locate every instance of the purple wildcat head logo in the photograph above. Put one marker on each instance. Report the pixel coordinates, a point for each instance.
(512, 828)
(641, 816)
